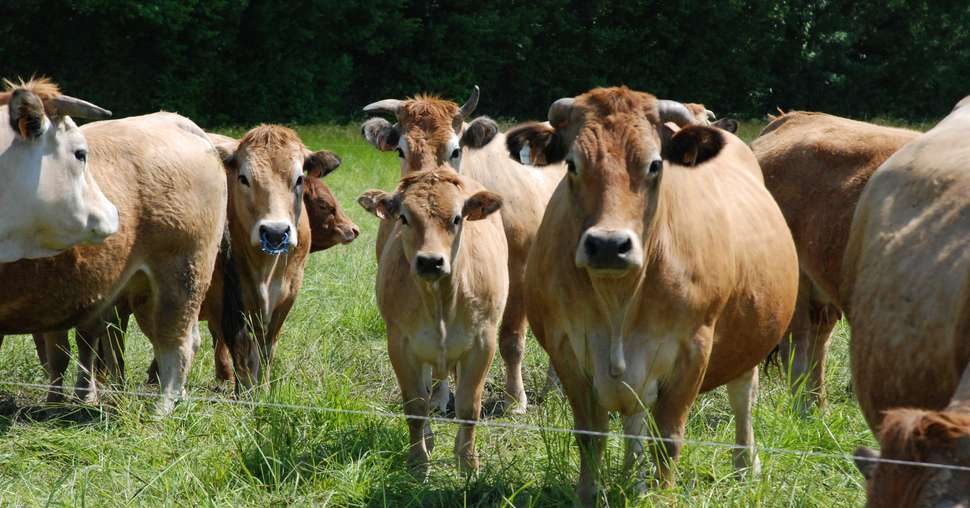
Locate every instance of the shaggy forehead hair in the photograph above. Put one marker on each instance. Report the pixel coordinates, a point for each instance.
(41, 87)
(432, 116)
(604, 102)
(424, 189)
(271, 137)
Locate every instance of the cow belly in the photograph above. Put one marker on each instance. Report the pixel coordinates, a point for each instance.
(425, 344)
(649, 360)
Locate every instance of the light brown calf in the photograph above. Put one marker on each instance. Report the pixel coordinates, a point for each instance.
(441, 286)
(651, 280)
(906, 293)
(431, 132)
(166, 180)
(815, 166)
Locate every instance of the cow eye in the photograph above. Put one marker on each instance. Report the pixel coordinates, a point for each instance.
(456, 153)
(299, 181)
(81, 155)
(655, 167)
(570, 166)
(457, 220)
(243, 180)
(400, 153)
(404, 220)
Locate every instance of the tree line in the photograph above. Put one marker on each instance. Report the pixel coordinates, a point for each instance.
(245, 61)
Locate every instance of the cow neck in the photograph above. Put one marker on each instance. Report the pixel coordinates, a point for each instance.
(440, 300)
(257, 272)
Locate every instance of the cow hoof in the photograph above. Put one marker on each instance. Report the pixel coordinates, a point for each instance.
(467, 463)
(419, 467)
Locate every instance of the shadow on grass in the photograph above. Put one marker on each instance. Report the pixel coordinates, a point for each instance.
(65, 415)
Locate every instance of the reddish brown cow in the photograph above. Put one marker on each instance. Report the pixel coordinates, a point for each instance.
(652, 279)
(815, 166)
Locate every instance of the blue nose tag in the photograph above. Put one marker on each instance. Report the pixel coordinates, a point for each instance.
(278, 248)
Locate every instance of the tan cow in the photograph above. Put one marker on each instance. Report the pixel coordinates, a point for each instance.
(906, 277)
(49, 201)
(441, 287)
(815, 166)
(431, 132)
(651, 280)
(167, 182)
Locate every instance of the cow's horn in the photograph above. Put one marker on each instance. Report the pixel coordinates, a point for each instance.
(710, 115)
(559, 111)
(65, 105)
(384, 107)
(673, 111)
(469, 107)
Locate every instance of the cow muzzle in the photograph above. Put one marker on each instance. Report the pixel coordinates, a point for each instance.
(609, 252)
(430, 266)
(274, 237)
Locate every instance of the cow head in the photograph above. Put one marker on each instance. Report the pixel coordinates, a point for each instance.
(430, 132)
(704, 116)
(49, 200)
(915, 435)
(431, 207)
(266, 184)
(613, 142)
(329, 225)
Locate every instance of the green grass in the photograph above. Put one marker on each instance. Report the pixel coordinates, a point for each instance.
(332, 354)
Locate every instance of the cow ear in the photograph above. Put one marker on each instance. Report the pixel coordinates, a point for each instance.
(481, 205)
(320, 164)
(227, 152)
(726, 124)
(866, 460)
(536, 144)
(693, 145)
(479, 133)
(380, 133)
(27, 114)
(382, 205)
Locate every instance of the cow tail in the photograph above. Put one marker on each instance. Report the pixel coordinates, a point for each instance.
(233, 303)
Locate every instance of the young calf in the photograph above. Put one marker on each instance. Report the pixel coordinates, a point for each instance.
(441, 288)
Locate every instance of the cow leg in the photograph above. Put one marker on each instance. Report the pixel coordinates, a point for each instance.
(511, 338)
(635, 425)
(58, 352)
(113, 345)
(415, 392)
(811, 329)
(440, 390)
(673, 405)
(552, 382)
(86, 386)
(742, 392)
(468, 398)
(39, 347)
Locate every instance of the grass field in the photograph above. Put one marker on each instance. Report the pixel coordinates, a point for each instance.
(332, 354)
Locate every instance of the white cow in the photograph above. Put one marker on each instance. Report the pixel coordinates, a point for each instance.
(48, 200)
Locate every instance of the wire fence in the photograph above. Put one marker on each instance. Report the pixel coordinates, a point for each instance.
(503, 425)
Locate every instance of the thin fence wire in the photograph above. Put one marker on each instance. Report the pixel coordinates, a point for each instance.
(504, 425)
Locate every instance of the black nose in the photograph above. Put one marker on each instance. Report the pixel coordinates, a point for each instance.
(608, 249)
(430, 266)
(274, 239)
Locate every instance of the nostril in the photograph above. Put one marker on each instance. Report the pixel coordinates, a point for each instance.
(625, 246)
(438, 262)
(591, 246)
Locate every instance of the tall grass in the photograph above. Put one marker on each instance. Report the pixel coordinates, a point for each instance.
(332, 354)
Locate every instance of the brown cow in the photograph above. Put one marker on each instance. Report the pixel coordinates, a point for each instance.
(651, 280)
(441, 288)
(915, 435)
(815, 166)
(166, 180)
(431, 132)
(906, 276)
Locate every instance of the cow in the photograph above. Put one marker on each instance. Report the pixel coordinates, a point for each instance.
(441, 288)
(915, 435)
(166, 180)
(49, 201)
(906, 274)
(329, 227)
(430, 132)
(653, 277)
(816, 165)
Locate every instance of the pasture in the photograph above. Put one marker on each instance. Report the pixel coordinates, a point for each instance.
(332, 355)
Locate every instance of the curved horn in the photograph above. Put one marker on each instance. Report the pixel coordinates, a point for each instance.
(384, 107)
(65, 105)
(559, 111)
(673, 111)
(469, 106)
(710, 115)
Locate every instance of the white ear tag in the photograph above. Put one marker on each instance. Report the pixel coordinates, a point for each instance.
(525, 155)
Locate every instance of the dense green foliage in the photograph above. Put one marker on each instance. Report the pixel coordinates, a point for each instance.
(245, 61)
